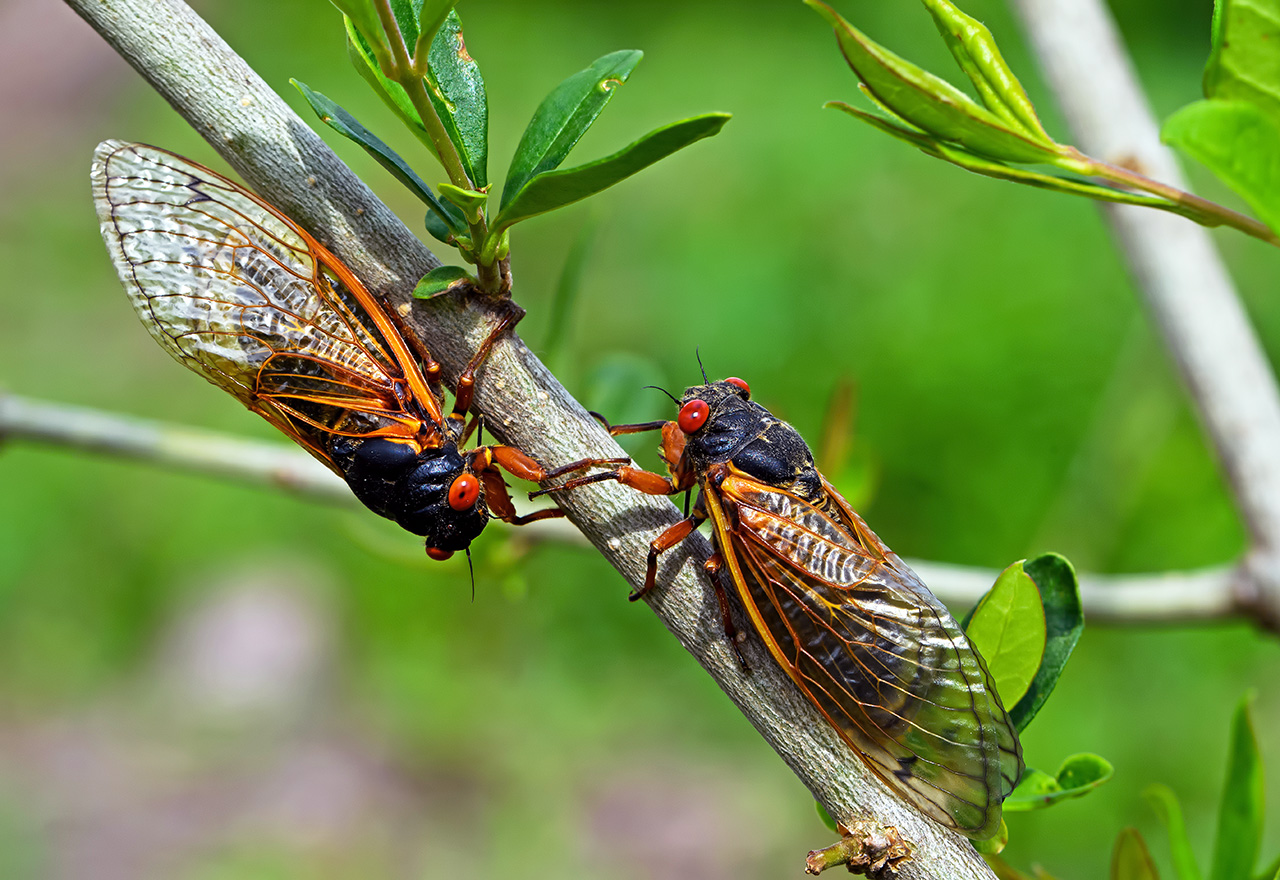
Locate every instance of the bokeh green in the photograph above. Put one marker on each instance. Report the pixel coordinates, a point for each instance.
(1011, 398)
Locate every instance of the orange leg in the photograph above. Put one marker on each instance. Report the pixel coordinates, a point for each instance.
(511, 315)
(714, 566)
(661, 544)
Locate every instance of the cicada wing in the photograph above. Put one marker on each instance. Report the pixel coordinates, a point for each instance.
(873, 649)
(241, 295)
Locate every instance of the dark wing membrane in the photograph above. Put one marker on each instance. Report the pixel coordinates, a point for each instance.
(237, 292)
(873, 649)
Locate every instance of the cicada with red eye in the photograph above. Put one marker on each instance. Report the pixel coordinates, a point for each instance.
(855, 629)
(242, 295)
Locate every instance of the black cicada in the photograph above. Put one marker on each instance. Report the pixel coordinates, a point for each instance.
(852, 625)
(242, 295)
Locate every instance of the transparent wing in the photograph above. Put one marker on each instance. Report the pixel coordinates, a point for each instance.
(873, 649)
(241, 295)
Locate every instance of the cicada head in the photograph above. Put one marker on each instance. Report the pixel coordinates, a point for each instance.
(443, 500)
(719, 419)
(431, 492)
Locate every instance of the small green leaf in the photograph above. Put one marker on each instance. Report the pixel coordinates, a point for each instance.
(1064, 621)
(826, 817)
(1244, 63)
(564, 116)
(976, 52)
(441, 279)
(391, 93)
(1008, 629)
(348, 126)
(991, 168)
(470, 201)
(1078, 775)
(439, 231)
(1131, 860)
(457, 92)
(930, 103)
(555, 189)
(1165, 803)
(362, 17)
(431, 17)
(1237, 141)
(1235, 851)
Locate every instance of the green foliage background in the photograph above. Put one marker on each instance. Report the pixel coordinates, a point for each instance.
(1012, 398)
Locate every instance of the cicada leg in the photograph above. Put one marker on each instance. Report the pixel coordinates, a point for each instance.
(714, 567)
(510, 315)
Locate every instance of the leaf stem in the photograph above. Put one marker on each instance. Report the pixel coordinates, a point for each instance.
(406, 74)
(1194, 207)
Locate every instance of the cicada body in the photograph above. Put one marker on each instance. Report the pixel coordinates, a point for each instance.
(855, 629)
(242, 295)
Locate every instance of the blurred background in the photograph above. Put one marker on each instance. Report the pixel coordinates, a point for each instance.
(205, 680)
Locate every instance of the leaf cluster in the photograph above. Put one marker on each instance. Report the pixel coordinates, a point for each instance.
(1235, 131)
(1000, 135)
(413, 55)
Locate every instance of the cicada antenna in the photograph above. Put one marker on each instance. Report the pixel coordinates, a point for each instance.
(698, 354)
(471, 568)
(666, 392)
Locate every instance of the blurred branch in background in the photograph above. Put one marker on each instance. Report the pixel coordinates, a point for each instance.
(175, 446)
(1210, 594)
(1180, 274)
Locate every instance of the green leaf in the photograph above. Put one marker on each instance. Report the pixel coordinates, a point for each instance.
(439, 280)
(826, 817)
(471, 202)
(437, 227)
(1245, 63)
(1237, 141)
(992, 168)
(1235, 851)
(930, 103)
(1008, 629)
(1078, 775)
(1064, 621)
(457, 92)
(1165, 803)
(1131, 860)
(976, 52)
(348, 126)
(391, 93)
(431, 17)
(555, 189)
(360, 16)
(564, 116)
(453, 84)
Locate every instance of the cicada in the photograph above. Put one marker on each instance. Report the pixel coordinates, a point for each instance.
(855, 629)
(239, 293)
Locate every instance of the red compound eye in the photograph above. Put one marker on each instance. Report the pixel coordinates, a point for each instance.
(741, 383)
(439, 555)
(464, 492)
(693, 415)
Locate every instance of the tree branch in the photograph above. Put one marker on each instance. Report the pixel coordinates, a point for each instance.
(288, 164)
(1179, 273)
(1170, 597)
